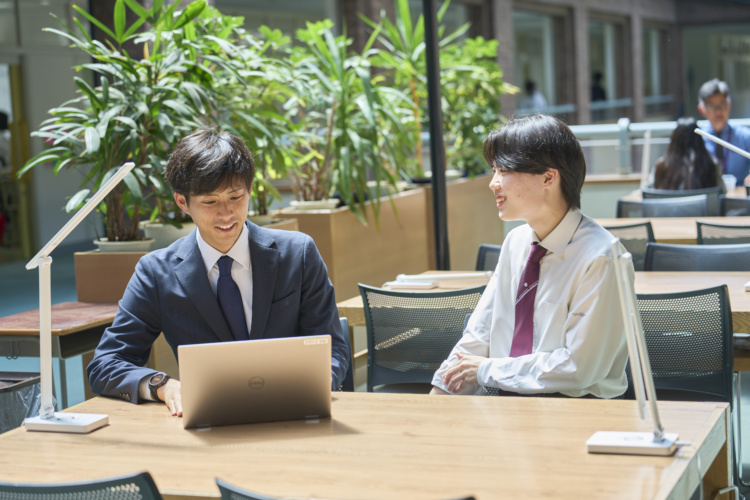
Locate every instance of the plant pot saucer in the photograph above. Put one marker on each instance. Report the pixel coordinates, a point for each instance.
(124, 246)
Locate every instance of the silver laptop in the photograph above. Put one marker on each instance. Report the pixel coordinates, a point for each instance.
(254, 381)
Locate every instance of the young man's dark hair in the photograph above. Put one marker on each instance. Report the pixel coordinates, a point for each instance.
(532, 144)
(712, 87)
(3, 120)
(209, 160)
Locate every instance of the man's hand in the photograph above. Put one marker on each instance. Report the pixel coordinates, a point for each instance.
(747, 180)
(462, 373)
(439, 391)
(171, 394)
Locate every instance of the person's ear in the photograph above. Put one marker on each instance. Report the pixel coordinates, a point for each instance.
(182, 203)
(550, 176)
(701, 109)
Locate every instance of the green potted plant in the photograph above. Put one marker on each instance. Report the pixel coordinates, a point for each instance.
(470, 81)
(349, 126)
(136, 113)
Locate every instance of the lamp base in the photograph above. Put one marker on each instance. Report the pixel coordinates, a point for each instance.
(631, 443)
(79, 423)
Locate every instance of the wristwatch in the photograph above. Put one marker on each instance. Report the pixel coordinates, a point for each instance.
(157, 380)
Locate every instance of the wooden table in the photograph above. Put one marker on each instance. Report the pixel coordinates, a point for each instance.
(646, 282)
(390, 446)
(677, 230)
(77, 328)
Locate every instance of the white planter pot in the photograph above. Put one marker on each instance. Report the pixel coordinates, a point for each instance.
(165, 234)
(124, 246)
(315, 204)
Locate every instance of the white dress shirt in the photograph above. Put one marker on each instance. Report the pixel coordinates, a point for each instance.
(242, 274)
(579, 343)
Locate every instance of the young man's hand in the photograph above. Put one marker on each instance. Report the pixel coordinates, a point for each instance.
(171, 394)
(462, 373)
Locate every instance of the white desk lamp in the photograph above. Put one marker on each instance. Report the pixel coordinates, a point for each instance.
(634, 443)
(48, 419)
(722, 142)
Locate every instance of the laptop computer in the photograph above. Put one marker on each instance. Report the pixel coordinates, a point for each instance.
(252, 381)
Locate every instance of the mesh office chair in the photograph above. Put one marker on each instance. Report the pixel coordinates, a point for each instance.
(131, 487)
(230, 492)
(710, 233)
(690, 344)
(409, 334)
(634, 237)
(688, 206)
(487, 257)
(667, 257)
(347, 385)
(689, 339)
(732, 207)
(712, 196)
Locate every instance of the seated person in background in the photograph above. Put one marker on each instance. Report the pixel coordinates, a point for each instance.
(228, 280)
(552, 327)
(715, 103)
(533, 98)
(687, 163)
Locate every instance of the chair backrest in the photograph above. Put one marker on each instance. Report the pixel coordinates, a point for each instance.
(634, 237)
(231, 492)
(688, 206)
(409, 334)
(710, 233)
(732, 207)
(132, 486)
(487, 257)
(712, 196)
(668, 257)
(347, 385)
(689, 338)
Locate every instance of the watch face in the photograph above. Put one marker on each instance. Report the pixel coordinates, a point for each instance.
(156, 379)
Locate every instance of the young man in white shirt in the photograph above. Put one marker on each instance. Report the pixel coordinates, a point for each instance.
(578, 346)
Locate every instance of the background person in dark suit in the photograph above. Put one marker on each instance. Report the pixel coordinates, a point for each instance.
(283, 282)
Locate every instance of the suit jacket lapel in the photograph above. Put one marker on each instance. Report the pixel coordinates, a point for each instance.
(191, 273)
(264, 257)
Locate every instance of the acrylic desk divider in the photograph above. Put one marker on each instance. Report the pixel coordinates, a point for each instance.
(623, 442)
(49, 420)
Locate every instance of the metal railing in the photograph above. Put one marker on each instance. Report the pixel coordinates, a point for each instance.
(622, 137)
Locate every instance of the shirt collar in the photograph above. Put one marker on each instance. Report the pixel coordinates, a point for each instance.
(558, 239)
(240, 251)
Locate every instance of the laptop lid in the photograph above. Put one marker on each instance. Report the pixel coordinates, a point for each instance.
(252, 381)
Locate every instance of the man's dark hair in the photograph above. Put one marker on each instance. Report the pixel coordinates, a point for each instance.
(534, 143)
(712, 87)
(209, 160)
(3, 120)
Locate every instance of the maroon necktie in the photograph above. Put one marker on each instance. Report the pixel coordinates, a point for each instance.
(523, 332)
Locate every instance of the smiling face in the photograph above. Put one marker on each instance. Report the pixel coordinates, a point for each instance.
(219, 215)
(716, 109)
(518, 195)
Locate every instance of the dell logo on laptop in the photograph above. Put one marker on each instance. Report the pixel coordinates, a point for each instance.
(256, 383)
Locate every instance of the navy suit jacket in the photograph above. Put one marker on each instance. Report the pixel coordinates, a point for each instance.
(170, 293)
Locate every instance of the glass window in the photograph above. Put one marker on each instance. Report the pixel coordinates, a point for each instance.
(610, 99)
(542, 88)
(287, 16)
(656, 97)
(8, 33)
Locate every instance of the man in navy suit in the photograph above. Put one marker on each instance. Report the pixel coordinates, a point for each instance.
(281, 278)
